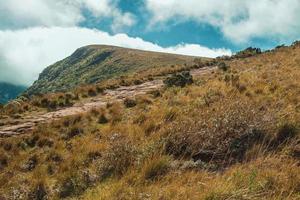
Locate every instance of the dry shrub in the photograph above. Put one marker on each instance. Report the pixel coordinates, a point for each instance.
(72, 185)
(117, 159)
(285, 133)
(222, 135)
(92, 92)
(143, 99)
(39, 192)
(72, 120)
(74, 131)
(155, 167)
(103, 119)
(115, 110)
(129, 103)
(179, 79)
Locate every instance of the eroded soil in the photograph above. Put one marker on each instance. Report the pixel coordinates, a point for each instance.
(29, 122)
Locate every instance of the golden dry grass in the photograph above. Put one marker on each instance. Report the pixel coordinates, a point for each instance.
(230, 135)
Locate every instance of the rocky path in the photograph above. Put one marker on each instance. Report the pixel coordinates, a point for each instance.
(30, 122)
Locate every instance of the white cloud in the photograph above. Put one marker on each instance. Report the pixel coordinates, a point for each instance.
(16, 14)
(25, 53)
(239, 20)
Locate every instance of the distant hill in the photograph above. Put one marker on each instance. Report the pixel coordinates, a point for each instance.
(9, 91)
(95, 63)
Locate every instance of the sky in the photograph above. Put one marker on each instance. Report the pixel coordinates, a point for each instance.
(37, 33)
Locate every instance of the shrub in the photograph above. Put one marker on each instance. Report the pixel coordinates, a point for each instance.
(155, 93)
(137, 82)
(218, 136)
(250, 51)
(70, 186)
(3, 162)
(170, 115)
(74, 132)
(13, 107)
(179, 79)
(115, 111)
(92, 92)
(45, 102)
(55, 157)
(117, 159)
(102, 119)
(39, 192)
(222, 66)
(100, 89)
(280, 46)
(241, 87)
(7, 146)
(31, 163)
(45, 142)
(285, 133)
(129, 103)
(155, 167)
(31, 142)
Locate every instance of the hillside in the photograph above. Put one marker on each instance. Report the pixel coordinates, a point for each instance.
(227, 129)
(96, 63)
(9, 92)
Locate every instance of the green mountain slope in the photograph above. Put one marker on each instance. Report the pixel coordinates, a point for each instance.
(9, 91)
(95, 63)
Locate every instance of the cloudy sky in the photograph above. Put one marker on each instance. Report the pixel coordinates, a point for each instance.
(37, 33)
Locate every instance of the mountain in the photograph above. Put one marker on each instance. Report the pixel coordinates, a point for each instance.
(95, 63)
(9, 91)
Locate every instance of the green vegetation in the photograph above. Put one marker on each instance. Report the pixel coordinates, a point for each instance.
(93, 64)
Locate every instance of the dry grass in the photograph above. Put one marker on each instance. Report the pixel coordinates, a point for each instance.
(232, 134)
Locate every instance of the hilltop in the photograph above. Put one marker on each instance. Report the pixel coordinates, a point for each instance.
(227, 128)
(95, 63)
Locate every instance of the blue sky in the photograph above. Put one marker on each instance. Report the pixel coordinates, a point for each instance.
(37, 34)
(175, 32)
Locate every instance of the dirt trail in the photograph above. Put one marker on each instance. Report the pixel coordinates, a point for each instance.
(30, 122)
